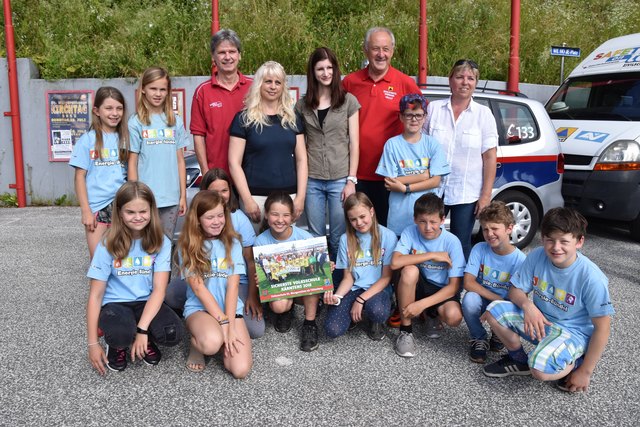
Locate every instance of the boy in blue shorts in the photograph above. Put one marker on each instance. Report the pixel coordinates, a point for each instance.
(432, 266)
(486, 277)
(412, 163)
(569, 318)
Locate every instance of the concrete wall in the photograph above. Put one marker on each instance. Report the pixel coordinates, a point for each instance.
(45, 180)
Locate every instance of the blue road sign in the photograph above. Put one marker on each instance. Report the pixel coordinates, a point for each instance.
(565, 51)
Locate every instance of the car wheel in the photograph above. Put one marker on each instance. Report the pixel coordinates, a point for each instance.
(525, 212)
(634, 228)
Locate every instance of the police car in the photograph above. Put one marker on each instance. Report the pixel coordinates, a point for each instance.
(529, 165)
(596, 112)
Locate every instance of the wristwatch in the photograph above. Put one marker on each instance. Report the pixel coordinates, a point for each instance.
(352, 179)
(407, 188)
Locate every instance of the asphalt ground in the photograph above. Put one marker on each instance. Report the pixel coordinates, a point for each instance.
(46, 379)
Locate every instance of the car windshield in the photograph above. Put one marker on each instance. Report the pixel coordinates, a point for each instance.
(600, 97)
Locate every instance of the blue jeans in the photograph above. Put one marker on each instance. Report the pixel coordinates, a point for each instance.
(462, 221)
(473, 306)
(320, 194)
(377, 309)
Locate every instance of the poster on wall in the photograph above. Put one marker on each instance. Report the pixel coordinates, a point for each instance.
(69, 117)
(177, 104)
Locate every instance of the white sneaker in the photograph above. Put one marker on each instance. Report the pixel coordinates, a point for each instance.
(405, 344)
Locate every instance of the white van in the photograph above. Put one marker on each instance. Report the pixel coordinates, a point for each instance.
(596, 113)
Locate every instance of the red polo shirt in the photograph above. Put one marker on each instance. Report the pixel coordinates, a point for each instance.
(212, 111)
(379, 120)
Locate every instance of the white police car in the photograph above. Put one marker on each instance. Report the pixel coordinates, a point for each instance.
(529, 165)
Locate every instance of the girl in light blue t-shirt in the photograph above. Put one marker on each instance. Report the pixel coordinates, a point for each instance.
(99, 158)
(211, 261)
(157, 140)
(365, 253)
(129, 275)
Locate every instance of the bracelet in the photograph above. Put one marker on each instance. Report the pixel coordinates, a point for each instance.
(407, 188)
(339, 299)
(93, 343)
(223, 322)
(141, 331)
(360, 300)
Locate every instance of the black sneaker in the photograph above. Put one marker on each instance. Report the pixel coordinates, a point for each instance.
(284, 321)
(478, 351)
(506, 367)
(561, 384)
(309, 338)
(376, 331)
(495, 344)
(352, 325)
(117, 358)
(153, 355)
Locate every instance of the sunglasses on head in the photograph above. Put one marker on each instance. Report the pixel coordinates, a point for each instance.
(468, 62)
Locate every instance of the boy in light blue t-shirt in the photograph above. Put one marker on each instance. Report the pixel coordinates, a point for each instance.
(432, 265)
(569, 318)
(412, 163)
(486, 277)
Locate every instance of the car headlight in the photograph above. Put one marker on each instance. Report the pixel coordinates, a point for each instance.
(621, 155)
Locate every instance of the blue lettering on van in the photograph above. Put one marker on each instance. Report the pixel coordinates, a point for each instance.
(593, 136)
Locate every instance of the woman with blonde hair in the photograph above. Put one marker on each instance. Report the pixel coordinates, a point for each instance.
(266, 148)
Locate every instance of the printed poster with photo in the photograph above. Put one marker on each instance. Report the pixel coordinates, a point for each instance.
(293, 269)
(69, 117)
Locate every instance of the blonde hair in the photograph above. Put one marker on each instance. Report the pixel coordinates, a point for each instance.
(118, 238)
(253, 114)
(353, 243)
(195, 259)
(149, 76)
(102, 94)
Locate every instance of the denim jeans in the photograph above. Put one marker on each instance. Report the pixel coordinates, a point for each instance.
(118, 320)
(320, 194)
(377, 309)
(461, 225)
(473, 306)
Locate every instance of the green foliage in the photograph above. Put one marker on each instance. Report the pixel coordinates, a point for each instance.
(9, 200)
(63, 200)
(120, 38)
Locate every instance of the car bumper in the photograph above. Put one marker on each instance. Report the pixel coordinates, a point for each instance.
(617, 193)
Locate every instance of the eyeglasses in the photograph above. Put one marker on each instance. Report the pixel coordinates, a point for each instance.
(468, 62)
(416, 117)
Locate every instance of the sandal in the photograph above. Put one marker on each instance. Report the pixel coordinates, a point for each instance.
(195, 361)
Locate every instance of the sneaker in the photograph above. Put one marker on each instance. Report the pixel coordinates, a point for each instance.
(405, 344)
(495, 344)
(153, 355)
(434, 327)
(352, 326)
(117, 358)
(506, 367)
(376, 331)
(284, 321)
(478, 351)
(309, 339)
(394, 320)
(561, 384)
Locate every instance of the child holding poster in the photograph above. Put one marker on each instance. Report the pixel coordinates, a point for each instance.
(211, 261)
(99, 158)
(279, 214)
(157, 140)
(365, 252)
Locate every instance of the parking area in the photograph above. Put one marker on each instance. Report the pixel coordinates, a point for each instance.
(45, 378)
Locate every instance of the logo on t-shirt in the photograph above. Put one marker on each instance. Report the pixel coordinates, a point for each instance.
(421, 164)
(553, 294)
(158, 136)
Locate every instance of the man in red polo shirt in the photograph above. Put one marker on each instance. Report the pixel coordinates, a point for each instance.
(378, 88)
(216, 102)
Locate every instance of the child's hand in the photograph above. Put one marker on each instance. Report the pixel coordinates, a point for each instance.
(98, 358)
(579, 380)
(356, 311)
(534, 321)
(442, 257)
(253, 308)
(231, 342)
(330, 298)
(139, 347)
(89, 221)
(411, 311)
(298, 207)
(392, 184)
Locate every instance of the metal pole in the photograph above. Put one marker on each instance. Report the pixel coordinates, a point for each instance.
(15, 106)
(514, 48)
(422, 55)
(562, 66)
(215, 18)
